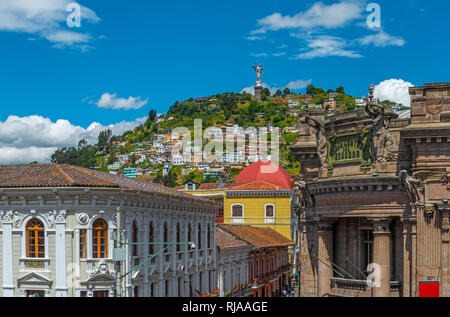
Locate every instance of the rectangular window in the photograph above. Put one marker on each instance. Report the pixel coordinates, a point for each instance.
(35, 293)
(101, 294)
(83, 252)
(367, 240)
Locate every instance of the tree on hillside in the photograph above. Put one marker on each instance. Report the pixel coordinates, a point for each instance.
(152, 115)
(310, 89)
(104, 141)
(319, 91)
(265, 93)
(287, 91)
(340, 90)
(228, 104)
(278, 93)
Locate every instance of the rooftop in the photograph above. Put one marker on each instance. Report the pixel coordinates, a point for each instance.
(65, 175)
(258, 237)
(227, 240)
(266, 172)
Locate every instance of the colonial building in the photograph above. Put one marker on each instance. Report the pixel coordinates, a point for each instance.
(268, 265)
(233, 255)
(59, 235)
(260, 196)
(373, 199)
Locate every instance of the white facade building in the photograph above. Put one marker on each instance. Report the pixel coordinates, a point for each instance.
(57, 237)
(232, 261)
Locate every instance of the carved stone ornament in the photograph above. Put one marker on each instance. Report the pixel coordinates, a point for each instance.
(304, 199)
(429, 211)
(102, 268)
(411, 186)
(61, 215)
(18, 217)
(445, 224)
(321, 140)
(7, 215)
(50, 217)
(83, 219)
(114, 219)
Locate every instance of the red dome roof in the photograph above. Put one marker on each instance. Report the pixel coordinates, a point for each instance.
(265, 171)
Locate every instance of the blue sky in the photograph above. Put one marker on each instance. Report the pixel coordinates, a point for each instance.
(149, 54)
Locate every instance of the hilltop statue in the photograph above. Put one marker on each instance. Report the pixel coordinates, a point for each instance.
(259, 70)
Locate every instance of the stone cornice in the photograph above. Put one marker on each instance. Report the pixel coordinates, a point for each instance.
(94, 198)
(259, 193)
(354, 184)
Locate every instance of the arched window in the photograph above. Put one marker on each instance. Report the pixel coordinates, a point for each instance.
(151, 249)
(99, 239)
(166, 237)
(134, 238)
(178, 237)
(189, 233)
(35, 239)
(209, 237)
(199, 238)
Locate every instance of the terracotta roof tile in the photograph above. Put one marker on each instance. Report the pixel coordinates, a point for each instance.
(64, 175)
(225, 239)
(259, 237)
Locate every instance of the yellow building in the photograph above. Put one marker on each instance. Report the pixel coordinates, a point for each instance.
(260, 196)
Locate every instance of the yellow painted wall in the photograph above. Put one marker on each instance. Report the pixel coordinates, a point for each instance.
(254, 212)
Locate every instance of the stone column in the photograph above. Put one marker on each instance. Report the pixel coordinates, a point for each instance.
(325, 256)
(7, 254)
(60, 258)
(382, 256)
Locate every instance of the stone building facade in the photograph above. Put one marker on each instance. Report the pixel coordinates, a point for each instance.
(372, 198)
(57, 235)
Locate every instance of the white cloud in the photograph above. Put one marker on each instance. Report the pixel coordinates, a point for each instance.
(299, 84)
(111, 101)
(296, 84)
(45, 19)
(318, 16)
(381, 39)
(35, 138)
(258, 54)
(279, 54)
(255, 38)
(323, 46)
(314, 26)
(395, 90)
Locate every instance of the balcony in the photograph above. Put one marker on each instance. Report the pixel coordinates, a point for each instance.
(359, 288)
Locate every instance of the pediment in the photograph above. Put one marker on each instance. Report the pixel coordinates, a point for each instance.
(101, 277)
(34, 279)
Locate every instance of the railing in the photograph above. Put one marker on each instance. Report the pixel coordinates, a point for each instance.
(396, 289)
(359, 288)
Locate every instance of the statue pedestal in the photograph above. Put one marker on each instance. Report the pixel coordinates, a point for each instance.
(258, 92)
